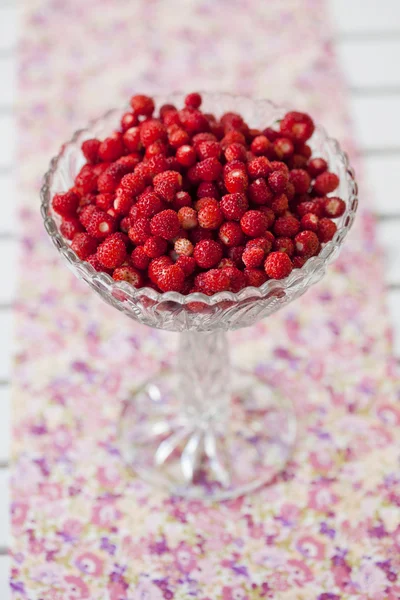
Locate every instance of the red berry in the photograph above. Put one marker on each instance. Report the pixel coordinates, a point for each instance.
(255, 277)
(306, 243)
(94, 262)
(165, 224)
(177, 136)
(155, 149)
(297, 161)
(207, 253)
(297, 125)
(310, 206)
(186, 155)
(233, 206)
(171, 279)
(208, 170)
(101, 225)
(304, 150)
(208, 149)
(112, 252)
(70, 227)
(284, 244)
(277, 181)
(187, 217)
(139, 258)
(278, 265)
(155, 246)
(183, 246)
(254, 223)
(235, 254)
(193, 100)
(193, 120)
(171, 118)
(210, 217)
(253, 257)
(260, 145)
(157, 266)
(334, 207)
(309, 221)
(110, 179)
(129, 274)
(237, 279)
(84, 245)
(283, 148)
(236, 181)
(259, 167)
(122, 202)
(197, 234)
(325, 183)
(90, 149)
(290, 191)
(326, 230)
(287, 226)
(133, 183)
(259, 192)
(226, 262)
(271, 134)
(148, 205)
(167, 183)
(131, 139)
(187, 264)
(299, 261)
(235, 151)
(265, 243)
(142, 105)
(207, 189)
(152, 131)
(140, 231)
(155, 165)
(203, 137)
(111, 148)
(128, 120)
(301, 180)
(65, 204)
(214, 281)
(231, 234)
(280, 204)
(104, 201)
(316, 166)
(233, 165)
(86, 214)
(181, 200)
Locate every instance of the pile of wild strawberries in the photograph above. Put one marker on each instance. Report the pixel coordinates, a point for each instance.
(187, 202)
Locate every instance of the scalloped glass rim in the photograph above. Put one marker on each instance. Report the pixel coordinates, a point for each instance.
(313, 265)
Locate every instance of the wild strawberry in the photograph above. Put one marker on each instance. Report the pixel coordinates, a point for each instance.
(210, 217)
(65, 204)
(111, 148)
(187, 264)
(334, 207)
(152, 131)
(284, 244)
(299, 261)
(155, 165)
(297, 161)
(181, 200)
(325, 183)
(206, 136)
(297, 125)
(129, 274)
(301, 180)
(86, 214)
(142, 105)
(278, 165)
(165, 224)
(155, 149)
(309, 221)
(148, 205)
(235, 151)
(171, 279)
(139, 258)
(231, 234)
(233, 206)
(84, 245)
(237, 279)
(253, 257)
(197, 234)
(101, 225)
(122, 203)
(316, 166)
(140, 231)
(90, 149)
(193, 120)
(186, 155)
(193, 100)
(259, 167)
(280, 204)
(235, 254)
(236, 181)
(303, 149)
(269, 215)
(207, 253)
(232, 137)
(157, 266)
(214, 281)
(70, 227)
(187, 217)
(255, 277)
(278, 265)
(155, 246)
(208, 170)
(265, 243)
(283, 148)
(131, 139)
(326, 230)
(277, 181)
(128, 120)
(287, 226)
(94, 262)
(226, 262)
(207, 189)
(133, 183)
(254, 223)
(306, 243)
(271, 134)
(259, 193)
(110, 179)
(183, 246)
(112, 252)
(172, 177)
(208, 149)
(177, 136)
(260, 146)
(310, 206)
(171, 118)
(232, 166)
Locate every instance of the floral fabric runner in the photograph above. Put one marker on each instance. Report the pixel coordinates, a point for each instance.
(83, 527)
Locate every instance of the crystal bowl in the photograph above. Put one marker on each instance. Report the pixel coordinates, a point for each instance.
(186, 429)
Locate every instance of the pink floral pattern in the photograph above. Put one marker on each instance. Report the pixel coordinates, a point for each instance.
(83, 526)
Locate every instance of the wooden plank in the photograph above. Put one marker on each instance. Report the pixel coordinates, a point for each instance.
(376, 121)
(5, 344)
(7, 132)
(5, 578)
(8, 261)
(8, 204)
(4, 508)
(5, 425)
(358, 17)
(371, 65)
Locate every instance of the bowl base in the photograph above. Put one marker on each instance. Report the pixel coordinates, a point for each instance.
(216, 459)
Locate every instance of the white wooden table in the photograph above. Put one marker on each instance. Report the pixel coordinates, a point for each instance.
(368, 45)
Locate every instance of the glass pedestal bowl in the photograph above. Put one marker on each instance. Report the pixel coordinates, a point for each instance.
(204, 430)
